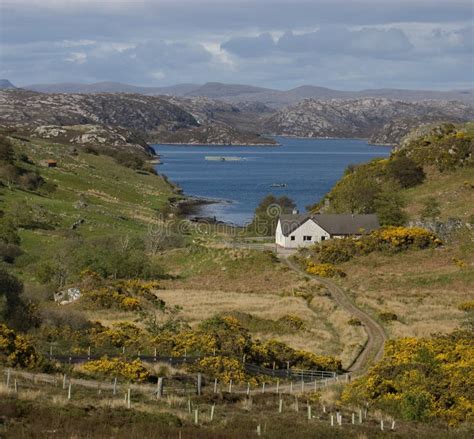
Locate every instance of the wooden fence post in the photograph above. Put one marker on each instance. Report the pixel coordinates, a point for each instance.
(280, 406)
(129, 402)
(196, 416)
(215, 385)
(230, 386)
(324, 408)
(381, 424)
(302, 384)
(360, 416)
(297, 408)
(15, 385)
(353, 418)
(213, 407)
(69, 391)
(114, 391)
(263, 387)
(291, 386)
(278, 386)
(393, 425)
(189, 405)
(199, 383)
(64, 381)
(332, 420)
(248, 389)
(8, 377)
(159, 384)
(259, 430)
(309, 412)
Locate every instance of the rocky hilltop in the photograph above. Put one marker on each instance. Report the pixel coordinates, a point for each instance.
(157, 118)
(383, 121)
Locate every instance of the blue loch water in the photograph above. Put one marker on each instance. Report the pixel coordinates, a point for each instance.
(306, 169)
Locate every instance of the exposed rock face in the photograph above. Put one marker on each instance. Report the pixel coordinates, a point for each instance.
(156, 117)
(106, 137)
(380, 120)
(136, 112)
(216, 134)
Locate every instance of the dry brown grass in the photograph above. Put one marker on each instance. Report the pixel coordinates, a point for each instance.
(424, 288)
(327, 331)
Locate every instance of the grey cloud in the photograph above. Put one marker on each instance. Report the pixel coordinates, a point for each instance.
(335, 39)
(262, 44)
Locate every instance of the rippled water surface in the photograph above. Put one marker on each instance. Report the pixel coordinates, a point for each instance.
(307, 167)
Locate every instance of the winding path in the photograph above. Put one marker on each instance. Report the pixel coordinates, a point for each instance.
(376, 337)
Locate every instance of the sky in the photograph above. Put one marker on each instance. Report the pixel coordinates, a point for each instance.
(343, 44)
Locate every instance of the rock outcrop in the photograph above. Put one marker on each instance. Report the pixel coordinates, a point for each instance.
(382, 121)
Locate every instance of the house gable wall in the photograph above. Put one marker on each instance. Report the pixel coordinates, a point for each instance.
(308, 228)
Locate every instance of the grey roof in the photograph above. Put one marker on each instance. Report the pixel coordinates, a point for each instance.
(334, 224)
(289, 223)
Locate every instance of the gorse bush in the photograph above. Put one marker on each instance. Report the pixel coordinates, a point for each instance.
(128, 295)
(324, 270)
(421, 379)
(16, 350)
(114, 367)
(387, 240)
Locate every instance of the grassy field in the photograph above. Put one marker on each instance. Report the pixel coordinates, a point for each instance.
(454, 191)
(41, 410)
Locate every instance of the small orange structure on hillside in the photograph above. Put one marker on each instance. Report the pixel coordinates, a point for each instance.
(51, 163)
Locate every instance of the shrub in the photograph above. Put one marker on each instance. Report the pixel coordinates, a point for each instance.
(114, 367)
(420, 379)
(129, 295)
(16, 351)
(388, 316)
(466, 306)
(324, 270)
(292, 321)
(9, 252)
(130, 160)
(405, 171)
(223, 368)
(354, 322)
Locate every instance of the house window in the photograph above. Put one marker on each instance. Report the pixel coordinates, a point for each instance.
(307, 238)
(323, 238)
(292, 238)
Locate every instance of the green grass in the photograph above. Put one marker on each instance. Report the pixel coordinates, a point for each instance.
(118, 201)
(453, 190)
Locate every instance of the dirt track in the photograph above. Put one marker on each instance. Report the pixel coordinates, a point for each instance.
(376, 337)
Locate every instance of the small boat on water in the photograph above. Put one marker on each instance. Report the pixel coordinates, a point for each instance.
(219, 158)
(279, 185)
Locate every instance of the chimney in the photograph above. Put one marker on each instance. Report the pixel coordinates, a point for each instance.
(295, 211)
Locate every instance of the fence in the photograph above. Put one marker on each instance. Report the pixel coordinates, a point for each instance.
(253, 369)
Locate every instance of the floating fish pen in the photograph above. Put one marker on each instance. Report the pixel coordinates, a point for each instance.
(218, 158)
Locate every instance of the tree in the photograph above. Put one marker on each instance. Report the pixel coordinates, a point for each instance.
(405, 171)
(268, 212)
(389, 205)
(6, 150)
(431, 209)
(13, 311)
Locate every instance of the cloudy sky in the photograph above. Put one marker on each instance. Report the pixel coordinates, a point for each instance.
(345, 44)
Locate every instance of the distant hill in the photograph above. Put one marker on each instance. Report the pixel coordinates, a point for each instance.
(238, 93)
(5, 84)
(155, 118)
(112, 87)
(383, 121)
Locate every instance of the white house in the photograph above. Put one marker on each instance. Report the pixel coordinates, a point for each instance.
(301, 230)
